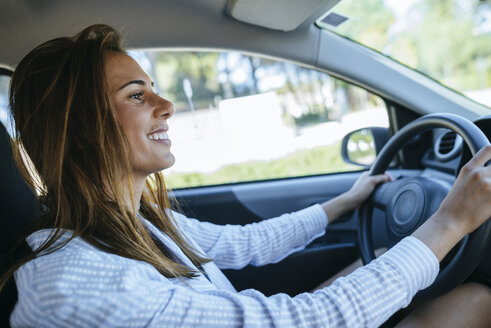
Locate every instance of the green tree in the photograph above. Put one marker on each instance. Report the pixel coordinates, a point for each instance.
(447, 48)
(371, 23)
(444, 39)
(198, 67)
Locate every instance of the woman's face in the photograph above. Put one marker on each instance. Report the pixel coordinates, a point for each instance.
(142, 113)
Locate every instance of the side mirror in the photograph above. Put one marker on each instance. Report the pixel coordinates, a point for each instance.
(360, 147)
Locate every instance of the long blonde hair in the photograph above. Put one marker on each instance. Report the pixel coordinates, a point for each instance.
(66, 124)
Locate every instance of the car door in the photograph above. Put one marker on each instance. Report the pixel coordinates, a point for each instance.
(255, 138)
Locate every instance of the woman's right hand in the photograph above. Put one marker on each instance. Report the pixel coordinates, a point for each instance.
(466, 207)
(469, 202)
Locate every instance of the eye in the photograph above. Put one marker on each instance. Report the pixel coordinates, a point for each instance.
(138, 95)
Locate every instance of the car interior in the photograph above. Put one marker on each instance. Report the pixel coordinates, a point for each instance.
(428, 138)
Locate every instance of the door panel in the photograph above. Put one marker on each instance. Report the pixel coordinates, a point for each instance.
(251, 202)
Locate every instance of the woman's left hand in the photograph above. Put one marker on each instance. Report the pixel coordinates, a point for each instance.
(364, 186)
(354, 197)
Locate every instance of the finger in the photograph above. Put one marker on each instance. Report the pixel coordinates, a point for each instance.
(381, 178)
(482, 156)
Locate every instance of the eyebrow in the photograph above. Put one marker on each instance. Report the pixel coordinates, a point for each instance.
(139, 82)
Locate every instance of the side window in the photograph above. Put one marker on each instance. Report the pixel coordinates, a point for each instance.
(5, 116)
(245, 118)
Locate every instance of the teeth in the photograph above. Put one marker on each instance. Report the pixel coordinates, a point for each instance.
(158, 136)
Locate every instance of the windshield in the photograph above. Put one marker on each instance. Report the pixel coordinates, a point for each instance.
(448, 40)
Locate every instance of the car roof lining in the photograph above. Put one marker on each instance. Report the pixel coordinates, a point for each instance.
(153, 23)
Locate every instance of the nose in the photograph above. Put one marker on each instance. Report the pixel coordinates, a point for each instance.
(163, 108)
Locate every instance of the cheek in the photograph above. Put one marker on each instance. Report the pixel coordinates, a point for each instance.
(129, 120)
(123, 113)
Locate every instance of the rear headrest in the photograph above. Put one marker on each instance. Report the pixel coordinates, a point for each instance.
(18, 205)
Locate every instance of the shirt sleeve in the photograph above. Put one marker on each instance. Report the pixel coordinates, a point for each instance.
(268, 241)
(97, 293)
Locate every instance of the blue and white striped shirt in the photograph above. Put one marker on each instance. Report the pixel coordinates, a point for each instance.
(82, 286)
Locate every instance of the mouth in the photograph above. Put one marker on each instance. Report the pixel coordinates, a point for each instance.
(159, 136)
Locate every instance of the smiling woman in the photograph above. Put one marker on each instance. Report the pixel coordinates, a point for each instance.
(109, 250)
(92, 162)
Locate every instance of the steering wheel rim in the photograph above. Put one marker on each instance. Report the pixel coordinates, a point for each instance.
(469, 251)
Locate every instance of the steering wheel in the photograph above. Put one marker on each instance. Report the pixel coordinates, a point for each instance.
(409, 201)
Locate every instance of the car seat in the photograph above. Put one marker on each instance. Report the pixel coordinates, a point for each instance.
(18, 207)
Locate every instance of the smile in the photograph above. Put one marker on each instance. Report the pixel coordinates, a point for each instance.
(158, 136)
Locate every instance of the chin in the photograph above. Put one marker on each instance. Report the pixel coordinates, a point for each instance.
(169, 162)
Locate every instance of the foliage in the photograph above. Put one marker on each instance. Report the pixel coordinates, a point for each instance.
(441, 38)
(446, 51)
(199, 67)
(312, 117)
(369, 21)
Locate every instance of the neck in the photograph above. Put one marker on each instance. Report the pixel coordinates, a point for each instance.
(131, 200)
(138, 185)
